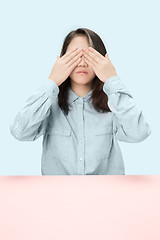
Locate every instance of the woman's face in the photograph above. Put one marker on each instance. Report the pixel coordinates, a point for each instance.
(81, 42)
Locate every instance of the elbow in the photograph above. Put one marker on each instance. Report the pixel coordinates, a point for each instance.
(146, 133)
(22, 134)
(136, 136)
(15, 134)
(142, 135)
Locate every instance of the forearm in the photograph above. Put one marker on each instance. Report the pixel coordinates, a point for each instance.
(29, 122)
(129, 120)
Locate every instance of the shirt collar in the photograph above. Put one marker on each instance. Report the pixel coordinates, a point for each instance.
(72, 96)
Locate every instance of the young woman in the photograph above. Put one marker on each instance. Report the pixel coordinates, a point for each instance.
(81, 110)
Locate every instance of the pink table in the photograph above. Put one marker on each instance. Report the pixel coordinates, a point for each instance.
(93, 207)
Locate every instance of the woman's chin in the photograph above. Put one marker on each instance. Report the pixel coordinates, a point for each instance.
(81, 81)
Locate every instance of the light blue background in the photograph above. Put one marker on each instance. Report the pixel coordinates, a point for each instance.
(32, 33)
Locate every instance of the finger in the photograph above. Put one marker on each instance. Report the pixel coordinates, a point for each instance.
(90, 64)
(73, 60)
(91, 60)
(74, 64)
(96, 53)
(106, 55)
(94, 57)
(72, 55)
(68, 53)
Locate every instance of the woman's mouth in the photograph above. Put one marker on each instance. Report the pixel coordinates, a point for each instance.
(82, 73)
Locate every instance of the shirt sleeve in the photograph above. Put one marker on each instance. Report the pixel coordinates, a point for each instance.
(31, 121)
(129, 122)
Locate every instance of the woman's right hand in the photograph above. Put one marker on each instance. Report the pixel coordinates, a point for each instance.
(65, 65)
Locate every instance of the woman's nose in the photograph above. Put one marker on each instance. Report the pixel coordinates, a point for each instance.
(82, 62)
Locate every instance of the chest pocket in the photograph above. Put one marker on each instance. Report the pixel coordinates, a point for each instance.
(103, 142)
(58, 140)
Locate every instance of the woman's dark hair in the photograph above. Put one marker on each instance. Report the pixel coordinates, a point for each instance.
(99, 98)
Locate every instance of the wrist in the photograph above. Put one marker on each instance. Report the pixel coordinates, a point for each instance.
(113, 75)
(54, 81)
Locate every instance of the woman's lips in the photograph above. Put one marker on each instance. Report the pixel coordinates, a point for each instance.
(82, 72)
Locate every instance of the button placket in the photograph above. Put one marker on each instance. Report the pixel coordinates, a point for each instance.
(81, 139)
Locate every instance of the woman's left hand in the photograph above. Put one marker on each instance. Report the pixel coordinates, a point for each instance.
(102, 66)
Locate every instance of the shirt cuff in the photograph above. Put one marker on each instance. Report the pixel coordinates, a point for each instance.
(113, 85)
(50, 87)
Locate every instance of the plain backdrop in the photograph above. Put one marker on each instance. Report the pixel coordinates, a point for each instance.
(32, 33)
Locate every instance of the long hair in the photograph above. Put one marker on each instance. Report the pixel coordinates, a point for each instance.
(99, 98)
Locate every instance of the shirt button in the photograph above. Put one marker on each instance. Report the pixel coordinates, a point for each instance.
(81, 159)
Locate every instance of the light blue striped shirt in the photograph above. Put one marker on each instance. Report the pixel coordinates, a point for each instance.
(84, 141)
